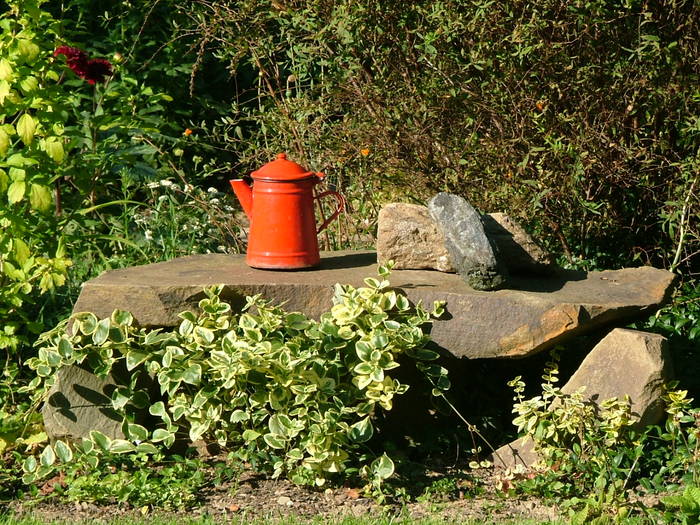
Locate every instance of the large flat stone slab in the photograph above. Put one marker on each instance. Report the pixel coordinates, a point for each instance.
(531, 316)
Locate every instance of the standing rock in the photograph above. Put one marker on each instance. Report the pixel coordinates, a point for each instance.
(516, 249)
(625, 362)
(470, 249)
(80, 402)
(408, 235)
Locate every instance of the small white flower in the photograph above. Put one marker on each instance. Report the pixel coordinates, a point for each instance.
(166, 183)
(162, 198)
(148, 235)
(189, 187)
(212, 190)
(214, 201)
(153, 185)
(221, 248)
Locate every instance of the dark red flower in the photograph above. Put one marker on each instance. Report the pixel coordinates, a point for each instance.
(97, 70)
(93, 71)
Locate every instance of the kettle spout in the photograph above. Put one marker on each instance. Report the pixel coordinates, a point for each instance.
(245, 195)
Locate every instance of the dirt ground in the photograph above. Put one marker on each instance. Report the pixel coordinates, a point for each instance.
(252, 497)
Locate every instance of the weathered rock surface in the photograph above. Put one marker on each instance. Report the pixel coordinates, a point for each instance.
(532, 316)
(78, 403)
(470, 250)
(624, 363)
(506, 323)
(407, 234)
(516, 248)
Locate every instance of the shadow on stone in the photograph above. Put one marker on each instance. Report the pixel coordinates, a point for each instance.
(60, 403)
(352, 260)
(546, 284)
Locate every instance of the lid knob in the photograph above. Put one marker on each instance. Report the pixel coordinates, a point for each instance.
(281, 156)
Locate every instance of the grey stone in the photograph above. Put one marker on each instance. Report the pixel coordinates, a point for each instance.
(624, 363)
(516, 248)
(408, 235)
(80, 402)
(470, 250)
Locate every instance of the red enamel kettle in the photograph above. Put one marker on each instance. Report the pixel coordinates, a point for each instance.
(280, 206)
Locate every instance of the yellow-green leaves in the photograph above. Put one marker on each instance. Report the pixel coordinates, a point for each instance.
(4, 90)
(5, 69)
(28, 84)
(15, 193)
(40, 197)
(54, 149)
(4, 142)
(28, 50)
(26, 128)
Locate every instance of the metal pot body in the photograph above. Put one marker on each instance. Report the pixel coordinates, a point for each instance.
(280, 206)
(283, 226)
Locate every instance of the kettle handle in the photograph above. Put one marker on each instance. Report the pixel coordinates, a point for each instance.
(341, 207)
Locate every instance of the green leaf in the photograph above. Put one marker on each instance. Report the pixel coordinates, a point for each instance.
(40, 197)
(363, 350)
(198, 429)
(15, 192)
(5, 69)
(121, 446)
(383, 467)
(63, 451)
(361, 431)
(28, 84)
(137, 432)
(122, 318)
(239, 415)
(54, 149)
(422, 354)
(363, 369)
(28, 50)
(193, 375)
(158, 409)
(99, 336)
(87, 322)
(160, 434)
(134, 358)
(21, 251)
(4, 141)
(29, 464)
(204, 334)
(274, 441)
(26, 128)
(47, 457)
(280, 424)
(250, 435)
(100, 440)
(146, 448)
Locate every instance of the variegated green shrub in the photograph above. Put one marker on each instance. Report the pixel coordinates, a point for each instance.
(291, 395)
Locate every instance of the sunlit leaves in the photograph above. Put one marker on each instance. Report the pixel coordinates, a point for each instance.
(26, 128)
(265, 380)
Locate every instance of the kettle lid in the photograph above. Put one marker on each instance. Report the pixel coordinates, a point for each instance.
(281, 169)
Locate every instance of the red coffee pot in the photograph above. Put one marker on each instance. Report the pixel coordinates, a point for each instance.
(280, 206)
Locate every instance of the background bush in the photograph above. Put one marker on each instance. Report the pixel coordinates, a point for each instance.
(580, 118)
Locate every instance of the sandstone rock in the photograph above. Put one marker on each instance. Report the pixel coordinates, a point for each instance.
(625, 362)
(516, 249)
(532, 316)
(506, 323)
(78, 403)
(470, 250)
(408, 235)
